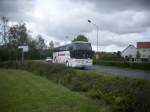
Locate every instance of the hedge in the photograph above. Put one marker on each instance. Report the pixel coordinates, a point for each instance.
(120, 94)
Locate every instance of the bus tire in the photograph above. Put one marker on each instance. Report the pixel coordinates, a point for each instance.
(67, 64)
(83, 68)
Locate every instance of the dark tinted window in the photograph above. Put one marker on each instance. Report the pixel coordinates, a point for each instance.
(81, 54)
(82, 46)
(62, 48)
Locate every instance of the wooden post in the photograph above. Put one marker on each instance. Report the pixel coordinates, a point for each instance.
(97, 55)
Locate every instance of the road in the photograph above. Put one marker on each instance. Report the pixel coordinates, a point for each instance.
(119, 71)
(122, 72)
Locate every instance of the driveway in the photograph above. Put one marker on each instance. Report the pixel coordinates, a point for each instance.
(122, 71)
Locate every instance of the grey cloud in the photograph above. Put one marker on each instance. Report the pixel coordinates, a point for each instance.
(119, 5)
(121, 17)
(15, 9)
(121, 23)
(125, 22)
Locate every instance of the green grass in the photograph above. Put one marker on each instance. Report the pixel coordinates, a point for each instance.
(21, 91)
(111, 93)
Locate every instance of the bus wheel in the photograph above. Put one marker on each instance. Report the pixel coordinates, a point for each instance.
(83, 68)
(67, 64)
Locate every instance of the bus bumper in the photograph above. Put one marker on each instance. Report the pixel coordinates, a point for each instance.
(79, 63)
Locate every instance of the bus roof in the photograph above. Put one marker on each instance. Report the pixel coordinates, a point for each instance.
(80, 42)
(72, 43)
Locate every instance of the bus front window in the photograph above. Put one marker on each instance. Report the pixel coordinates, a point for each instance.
(81, 54)
(82, 46)
(81, 51)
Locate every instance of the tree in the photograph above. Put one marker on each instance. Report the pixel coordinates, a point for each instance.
(80, 38)
(118, 53)
(4, 30)
(18, 35)
(13, 36)
(51, 44)
(23, 35)
(40, 42)
(32, 44)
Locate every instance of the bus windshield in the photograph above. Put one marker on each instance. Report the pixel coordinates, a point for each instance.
(82, 46)
(81, 54)
(81, 51)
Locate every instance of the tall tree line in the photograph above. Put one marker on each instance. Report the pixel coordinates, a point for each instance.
(15, 35)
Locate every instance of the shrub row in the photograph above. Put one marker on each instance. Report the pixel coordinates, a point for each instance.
(124, 64)
(119, 93)
(16, 54)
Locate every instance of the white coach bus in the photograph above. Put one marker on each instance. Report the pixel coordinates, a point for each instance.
(77, 54)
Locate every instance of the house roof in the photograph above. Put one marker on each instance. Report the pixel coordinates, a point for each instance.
(128, 47)
(143, 45)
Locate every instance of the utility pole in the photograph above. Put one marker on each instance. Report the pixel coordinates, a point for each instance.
(4, 28)
(97, 35)
(97, 29)
(22, 55)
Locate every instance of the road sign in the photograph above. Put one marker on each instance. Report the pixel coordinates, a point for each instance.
(24, 48)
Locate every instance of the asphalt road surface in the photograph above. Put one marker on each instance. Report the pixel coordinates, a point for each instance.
(122, 71)
(119, 71)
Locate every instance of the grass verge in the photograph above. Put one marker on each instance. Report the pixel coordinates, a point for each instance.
(119, 94)
(21, 91)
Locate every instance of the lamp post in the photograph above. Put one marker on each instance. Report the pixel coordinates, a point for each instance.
(97, 28)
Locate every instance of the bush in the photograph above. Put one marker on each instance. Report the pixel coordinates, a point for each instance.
(106, 56)
(121, 94)
(16, 54)
(9, 54)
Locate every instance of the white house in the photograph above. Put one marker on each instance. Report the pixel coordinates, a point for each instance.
(130, 51)
(144, 49)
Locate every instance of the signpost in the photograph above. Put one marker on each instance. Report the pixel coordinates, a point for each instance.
(24, 48)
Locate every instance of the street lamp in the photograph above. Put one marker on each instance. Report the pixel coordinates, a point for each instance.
(97, 28)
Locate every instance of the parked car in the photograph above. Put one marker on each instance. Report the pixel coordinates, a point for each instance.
(48, 59)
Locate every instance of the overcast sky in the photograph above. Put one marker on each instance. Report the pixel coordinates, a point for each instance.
(121, 22)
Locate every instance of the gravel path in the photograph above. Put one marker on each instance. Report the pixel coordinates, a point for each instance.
(122, 72)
